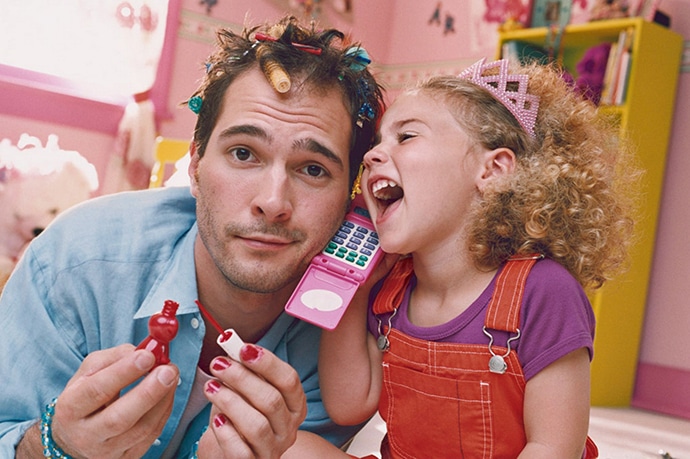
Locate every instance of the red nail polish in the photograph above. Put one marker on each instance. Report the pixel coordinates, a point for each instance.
(213, 387)
(220, 364)
(219, 420)
(250, 353)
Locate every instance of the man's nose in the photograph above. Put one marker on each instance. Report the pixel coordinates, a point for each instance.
(273, 200)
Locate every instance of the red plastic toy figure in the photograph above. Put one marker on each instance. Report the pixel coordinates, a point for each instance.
(162, 329)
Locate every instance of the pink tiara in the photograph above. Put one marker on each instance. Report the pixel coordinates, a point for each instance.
(510, 90)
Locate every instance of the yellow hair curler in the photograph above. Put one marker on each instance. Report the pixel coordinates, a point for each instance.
(275, 73)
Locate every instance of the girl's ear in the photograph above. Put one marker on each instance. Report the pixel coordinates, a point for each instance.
(498, 163)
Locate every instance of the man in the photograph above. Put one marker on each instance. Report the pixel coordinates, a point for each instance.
(270, 176)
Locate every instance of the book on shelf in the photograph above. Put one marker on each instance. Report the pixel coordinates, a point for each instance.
(618, 69)
(625, 64)
(608, 75)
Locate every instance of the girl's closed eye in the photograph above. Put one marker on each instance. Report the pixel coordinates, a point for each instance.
(403, 136)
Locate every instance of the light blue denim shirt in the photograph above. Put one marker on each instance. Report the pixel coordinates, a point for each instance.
(91, 281)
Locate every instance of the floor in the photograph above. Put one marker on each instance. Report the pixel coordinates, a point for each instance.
(620, 433)
(626, 433)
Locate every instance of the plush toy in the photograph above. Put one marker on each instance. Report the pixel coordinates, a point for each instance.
(36, 184)
(591, 71)
(609, 9)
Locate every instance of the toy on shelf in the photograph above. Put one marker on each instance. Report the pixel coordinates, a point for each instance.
(591, 70)
(609, 9)
(162, 329)
(36, 184)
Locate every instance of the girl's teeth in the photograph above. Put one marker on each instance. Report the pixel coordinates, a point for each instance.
(387, 190)
(381, 184)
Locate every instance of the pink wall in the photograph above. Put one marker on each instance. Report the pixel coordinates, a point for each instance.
(663, 378)
(405, 46)
(414, 38)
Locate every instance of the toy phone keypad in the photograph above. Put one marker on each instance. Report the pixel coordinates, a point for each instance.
(333, 276)
(353, 244)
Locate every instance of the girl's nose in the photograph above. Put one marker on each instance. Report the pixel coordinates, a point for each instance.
(375, 155)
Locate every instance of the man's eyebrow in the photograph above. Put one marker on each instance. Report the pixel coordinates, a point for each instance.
(246, 129)
(308, 144)
(317, 147)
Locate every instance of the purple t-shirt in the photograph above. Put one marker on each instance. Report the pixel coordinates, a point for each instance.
(556, 318)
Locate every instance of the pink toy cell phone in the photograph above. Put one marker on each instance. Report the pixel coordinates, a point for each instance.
(333, 276)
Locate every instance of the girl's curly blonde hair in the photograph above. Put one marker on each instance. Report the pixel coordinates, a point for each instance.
(572, 195)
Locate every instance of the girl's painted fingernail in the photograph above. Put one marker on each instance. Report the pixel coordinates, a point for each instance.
(250, 353)
(212, 387)
(219, 420)
(220, 364)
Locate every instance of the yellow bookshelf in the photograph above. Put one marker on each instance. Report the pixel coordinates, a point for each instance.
(646, 116)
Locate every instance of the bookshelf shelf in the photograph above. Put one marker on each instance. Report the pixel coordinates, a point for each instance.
(646, 117)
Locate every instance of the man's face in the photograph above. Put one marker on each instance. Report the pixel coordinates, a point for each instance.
(272, 186)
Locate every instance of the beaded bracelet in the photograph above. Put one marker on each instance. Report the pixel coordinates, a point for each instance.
(50, 448)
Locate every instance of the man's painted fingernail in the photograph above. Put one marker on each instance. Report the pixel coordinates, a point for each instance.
(212, 387)
(250, 353)
(220, 364)
(219, 420)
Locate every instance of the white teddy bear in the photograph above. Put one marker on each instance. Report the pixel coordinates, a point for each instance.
(36, 184)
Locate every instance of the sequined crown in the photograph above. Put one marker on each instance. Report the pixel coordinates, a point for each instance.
(510, 90)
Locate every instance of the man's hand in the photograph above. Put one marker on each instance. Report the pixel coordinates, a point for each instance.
(258, 406)
(92, 420)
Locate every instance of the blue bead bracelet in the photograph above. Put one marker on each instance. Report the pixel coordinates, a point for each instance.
(50, 449)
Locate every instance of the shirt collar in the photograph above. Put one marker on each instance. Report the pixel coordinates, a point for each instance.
(177, 281)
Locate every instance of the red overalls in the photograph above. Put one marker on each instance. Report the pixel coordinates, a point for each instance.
(441, 400)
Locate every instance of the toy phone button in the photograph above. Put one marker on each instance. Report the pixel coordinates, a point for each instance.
(321, 300)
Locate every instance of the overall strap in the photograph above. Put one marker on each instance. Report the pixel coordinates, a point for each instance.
(393, 289)
(504, 308)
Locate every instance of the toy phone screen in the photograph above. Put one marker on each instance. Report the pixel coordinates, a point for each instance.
(333, 276)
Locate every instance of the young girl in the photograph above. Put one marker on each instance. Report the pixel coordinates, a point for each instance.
(508, 197)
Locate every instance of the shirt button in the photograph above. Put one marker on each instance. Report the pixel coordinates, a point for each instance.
(195, 323)
(157, 442)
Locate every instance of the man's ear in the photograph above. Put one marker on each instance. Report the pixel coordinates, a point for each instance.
(498, 163)
(193, 167)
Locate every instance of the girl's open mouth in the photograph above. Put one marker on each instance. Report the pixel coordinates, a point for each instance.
(386, 192)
